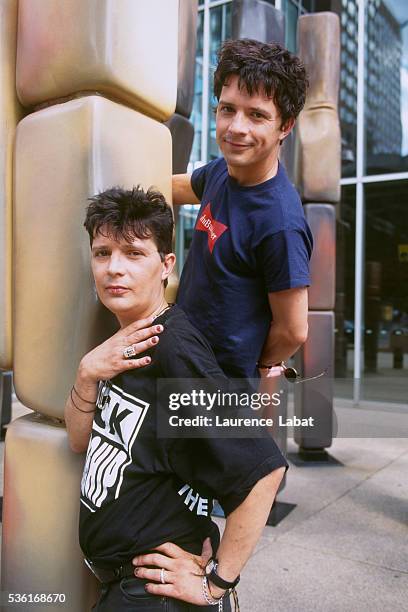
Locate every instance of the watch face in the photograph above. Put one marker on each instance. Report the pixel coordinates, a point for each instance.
(210, 566)
(290, 374)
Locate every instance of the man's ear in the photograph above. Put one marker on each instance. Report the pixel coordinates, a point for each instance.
(286, 128)
(168, 265)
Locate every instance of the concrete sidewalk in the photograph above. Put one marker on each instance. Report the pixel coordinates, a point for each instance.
(344, 548)
(345, 545)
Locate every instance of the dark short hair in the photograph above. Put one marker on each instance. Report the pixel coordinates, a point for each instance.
(131, 214)
(267, 67)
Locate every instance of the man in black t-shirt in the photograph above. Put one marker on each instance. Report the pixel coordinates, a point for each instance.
(140, 491)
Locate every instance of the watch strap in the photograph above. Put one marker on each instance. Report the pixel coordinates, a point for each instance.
(220, 582)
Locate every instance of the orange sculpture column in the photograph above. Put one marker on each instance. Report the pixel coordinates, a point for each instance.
(97, 86)
(317, 172)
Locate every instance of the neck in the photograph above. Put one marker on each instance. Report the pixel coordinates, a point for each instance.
(247, 176)
(153, 310)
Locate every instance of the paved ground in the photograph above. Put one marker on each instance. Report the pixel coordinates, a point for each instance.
(344, 548)
(345, 545)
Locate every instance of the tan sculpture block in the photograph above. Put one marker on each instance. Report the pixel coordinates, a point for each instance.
(187, 43)
(64, 154)
(322, 221)
(314, 398)
(319, 48)
(40, 548)
(318, 143)
(9, 115)
(125, 49)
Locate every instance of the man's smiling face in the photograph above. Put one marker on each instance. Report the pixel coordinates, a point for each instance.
(248, 129)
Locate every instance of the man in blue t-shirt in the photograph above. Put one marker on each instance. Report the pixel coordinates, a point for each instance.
(244, 284)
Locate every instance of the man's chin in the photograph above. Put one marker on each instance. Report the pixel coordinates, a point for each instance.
(239, 159)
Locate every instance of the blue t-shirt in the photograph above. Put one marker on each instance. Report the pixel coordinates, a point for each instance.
(248, 241)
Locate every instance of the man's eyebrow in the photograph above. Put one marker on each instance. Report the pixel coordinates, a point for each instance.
(221, 101)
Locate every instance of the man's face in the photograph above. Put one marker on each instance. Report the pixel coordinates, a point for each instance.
(129, 275)
(248, 129)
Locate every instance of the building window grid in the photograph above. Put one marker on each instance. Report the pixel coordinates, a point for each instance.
(351, 39)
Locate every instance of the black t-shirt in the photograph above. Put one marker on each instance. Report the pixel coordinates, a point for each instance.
(139, 490)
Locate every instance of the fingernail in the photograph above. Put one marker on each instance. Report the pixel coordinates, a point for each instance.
(155, 340)
(147, 360)
(136, 571)
(159, 328)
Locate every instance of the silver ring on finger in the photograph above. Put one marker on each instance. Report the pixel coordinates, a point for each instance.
(162, 579)
(129, 351)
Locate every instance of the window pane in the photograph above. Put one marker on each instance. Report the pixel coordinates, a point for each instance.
(386, 294)
(308, 6)
(345, 278)
(291, 16)
(348, 86)
(198, 90)
(386, 80)
(220, 30)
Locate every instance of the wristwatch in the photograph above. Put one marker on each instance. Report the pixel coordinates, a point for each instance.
(289, 373)
(211, 573)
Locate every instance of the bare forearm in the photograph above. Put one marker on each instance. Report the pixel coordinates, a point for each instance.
(244, 526)
(281, 344)
(79, 413)
(182, 191)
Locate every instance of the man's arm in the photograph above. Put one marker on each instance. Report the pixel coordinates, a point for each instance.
(182, 191)
(288, 330)
(243, 529)
(102, 363)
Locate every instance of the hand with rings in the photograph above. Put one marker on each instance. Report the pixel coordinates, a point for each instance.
(175, 572)
(129, 352)
(115, 354)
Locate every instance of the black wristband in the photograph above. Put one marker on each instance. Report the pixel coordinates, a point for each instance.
(221, 583)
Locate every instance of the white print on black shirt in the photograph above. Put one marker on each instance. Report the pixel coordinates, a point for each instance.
(192, 499)
(114, 432)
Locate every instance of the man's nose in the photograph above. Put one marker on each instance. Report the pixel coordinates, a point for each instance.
(239, 123)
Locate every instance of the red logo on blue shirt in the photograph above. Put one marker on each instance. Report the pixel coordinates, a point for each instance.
(214, 229)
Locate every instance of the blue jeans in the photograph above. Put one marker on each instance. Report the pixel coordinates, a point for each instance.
(129, 594)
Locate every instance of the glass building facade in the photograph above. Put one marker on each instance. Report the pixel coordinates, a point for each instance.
(372, 216)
